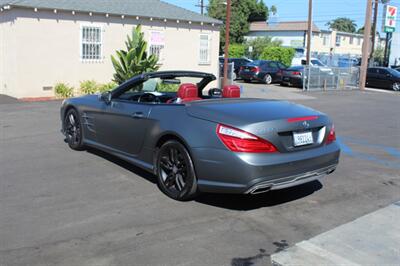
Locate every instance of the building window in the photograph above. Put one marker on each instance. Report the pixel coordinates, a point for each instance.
(91, 43)
(358, 41)
(325, 40)
(351, 40)
(157, 45)
(338, 41)
(204, 49)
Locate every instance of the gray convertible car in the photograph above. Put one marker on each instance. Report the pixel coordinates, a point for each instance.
(193, 141)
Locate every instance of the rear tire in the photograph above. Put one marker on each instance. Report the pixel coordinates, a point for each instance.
(267, 79)
(176, 177)
(73, 130)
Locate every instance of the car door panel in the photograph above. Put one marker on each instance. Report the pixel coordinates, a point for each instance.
(124, 126)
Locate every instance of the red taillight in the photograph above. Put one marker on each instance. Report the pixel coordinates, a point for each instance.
(331, 136)
(255, 69)
(238, 140)
(304, 118)
(296, 73)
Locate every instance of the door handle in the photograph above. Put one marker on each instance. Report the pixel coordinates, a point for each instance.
(137, 115)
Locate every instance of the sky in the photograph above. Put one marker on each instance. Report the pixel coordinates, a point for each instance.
(323, 10)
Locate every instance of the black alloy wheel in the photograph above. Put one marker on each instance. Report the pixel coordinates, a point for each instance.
(73, 130)
(175, 171)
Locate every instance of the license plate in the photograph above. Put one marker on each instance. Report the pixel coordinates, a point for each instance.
(303, 138)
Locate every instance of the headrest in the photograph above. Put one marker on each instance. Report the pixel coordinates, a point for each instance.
(187, 90)
(231, 91)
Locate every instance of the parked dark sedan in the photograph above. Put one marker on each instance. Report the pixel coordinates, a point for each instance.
(200, 143)
(262, 70)
(237, 64)
(293, 76)
(383, 77)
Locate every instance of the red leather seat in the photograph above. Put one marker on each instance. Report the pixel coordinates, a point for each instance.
(231, 91)
(188, 92)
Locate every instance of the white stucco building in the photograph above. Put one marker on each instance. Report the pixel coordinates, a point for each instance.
(43, 42)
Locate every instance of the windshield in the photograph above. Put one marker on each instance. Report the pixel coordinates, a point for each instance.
(163, 85)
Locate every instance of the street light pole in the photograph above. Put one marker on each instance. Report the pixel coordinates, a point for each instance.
(309, 32)
(366, 43)
(227, 29)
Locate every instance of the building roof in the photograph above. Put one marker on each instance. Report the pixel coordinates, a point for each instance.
(142, 8)
(282, 26)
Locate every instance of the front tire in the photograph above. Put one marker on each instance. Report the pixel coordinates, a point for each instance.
(73, 130)
(176, 177)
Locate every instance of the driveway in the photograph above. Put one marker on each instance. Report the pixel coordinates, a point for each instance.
(61, 207)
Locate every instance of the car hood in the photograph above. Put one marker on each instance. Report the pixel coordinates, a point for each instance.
(242, 112)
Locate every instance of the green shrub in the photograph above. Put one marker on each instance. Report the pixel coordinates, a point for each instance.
(236, 50)
(258, 45)
(107, 87)
(281, 54)
(62, 90)
(89, 87)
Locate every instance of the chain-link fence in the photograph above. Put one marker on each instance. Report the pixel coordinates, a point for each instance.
(330, 78)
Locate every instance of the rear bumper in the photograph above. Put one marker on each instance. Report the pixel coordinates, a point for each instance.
(293, 81)
(222, 171)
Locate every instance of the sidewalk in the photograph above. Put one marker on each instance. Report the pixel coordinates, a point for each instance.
(373, 239)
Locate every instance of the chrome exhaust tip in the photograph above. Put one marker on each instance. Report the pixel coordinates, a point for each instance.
(259, 190)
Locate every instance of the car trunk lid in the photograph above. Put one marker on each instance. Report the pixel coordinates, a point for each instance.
(269, 119)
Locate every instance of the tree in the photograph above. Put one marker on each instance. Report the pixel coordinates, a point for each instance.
(134, 59)
(379, 55)
(243, 12)
(236, 50)
(343, 24)
(259, 44)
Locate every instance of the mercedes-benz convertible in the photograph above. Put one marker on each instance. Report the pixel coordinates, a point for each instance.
(196, 138)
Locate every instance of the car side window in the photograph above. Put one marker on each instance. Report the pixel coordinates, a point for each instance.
(371, 70)
(273, 64)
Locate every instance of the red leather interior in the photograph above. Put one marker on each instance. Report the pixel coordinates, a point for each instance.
(231, 91)
(188, 92)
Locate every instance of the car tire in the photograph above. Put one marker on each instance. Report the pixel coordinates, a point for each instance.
(175, 172)
(396, 86)
(267, 79)
(73, 130)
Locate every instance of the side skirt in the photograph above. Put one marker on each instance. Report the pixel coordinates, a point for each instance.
(122, 155)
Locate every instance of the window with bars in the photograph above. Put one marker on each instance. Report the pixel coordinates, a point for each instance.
(204, 49)
(91, 43)
(156, 49)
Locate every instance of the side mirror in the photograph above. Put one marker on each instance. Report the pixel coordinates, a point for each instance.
(105, 97)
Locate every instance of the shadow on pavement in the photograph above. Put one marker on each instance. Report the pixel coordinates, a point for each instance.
(5, 99)
(124, 164)
(251, 202)
(227, 201)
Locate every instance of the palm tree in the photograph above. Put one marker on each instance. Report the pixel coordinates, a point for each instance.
(134, 60)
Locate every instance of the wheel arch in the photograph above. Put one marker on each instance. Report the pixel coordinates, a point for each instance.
(167, 136)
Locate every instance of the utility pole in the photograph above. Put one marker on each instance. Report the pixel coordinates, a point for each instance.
(376, 5)
(202, 6)
(365, 47)
(309, 32)
(227, 29)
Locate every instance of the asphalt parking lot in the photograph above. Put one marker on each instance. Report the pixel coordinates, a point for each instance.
(61, 207)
